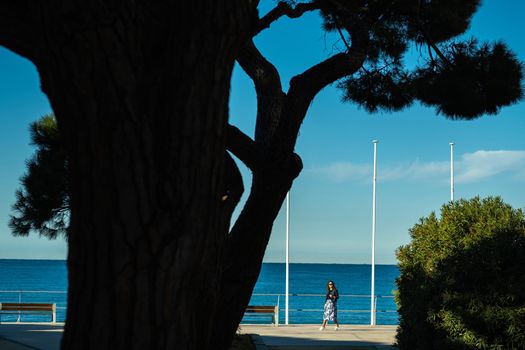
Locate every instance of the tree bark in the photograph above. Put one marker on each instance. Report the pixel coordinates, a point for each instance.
(141, 93)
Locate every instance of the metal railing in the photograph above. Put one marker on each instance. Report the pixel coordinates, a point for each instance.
(303, 307)
(352, 308)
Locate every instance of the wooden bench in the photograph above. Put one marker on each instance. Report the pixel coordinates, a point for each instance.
(29, 308)
(265, 310)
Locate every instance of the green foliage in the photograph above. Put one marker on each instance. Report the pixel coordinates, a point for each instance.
(462, 79)
(376, 90)
(42, 204)
(479, 79)
(442, 20)
(462, 279)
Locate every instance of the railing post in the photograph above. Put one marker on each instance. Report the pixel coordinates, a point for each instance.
(19, 301)
(278, 306)
(375, 309)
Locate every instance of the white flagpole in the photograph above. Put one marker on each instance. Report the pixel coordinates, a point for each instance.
(287, 257)
(372, 292)
(451, 171)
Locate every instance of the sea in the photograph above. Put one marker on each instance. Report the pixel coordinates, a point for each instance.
(46, 281)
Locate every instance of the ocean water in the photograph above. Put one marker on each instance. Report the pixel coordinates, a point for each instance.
(46, 281)
(33, 277)
(307, 287)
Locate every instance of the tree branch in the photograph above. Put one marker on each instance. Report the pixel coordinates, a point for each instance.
(305, 86)
(283, 9)
(264, 74)
(269, 92)
(19, 31)
(343, 37)
(433, 45)
(242, 147)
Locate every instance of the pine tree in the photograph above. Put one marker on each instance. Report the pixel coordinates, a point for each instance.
(42, 204)
(140, 92)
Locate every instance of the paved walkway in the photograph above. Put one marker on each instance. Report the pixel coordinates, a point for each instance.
(308, 337)
(44, 336)
(25, 336)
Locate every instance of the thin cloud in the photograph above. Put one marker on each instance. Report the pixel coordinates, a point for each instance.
(415, 170)
(343, 171)
(470, 167)
(481, 165)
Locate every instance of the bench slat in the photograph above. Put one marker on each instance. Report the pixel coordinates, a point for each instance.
(261, 309)
(26, 307)
(27, 304)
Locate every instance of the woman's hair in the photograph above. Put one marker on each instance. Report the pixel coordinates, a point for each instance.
(328, 287)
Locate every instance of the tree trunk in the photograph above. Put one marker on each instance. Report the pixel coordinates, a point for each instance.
(247, 243)
(141, 98)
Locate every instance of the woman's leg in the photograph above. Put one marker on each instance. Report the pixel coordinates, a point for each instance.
(335, 318)
(323, 325)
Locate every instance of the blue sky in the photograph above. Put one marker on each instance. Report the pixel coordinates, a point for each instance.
(331, 201)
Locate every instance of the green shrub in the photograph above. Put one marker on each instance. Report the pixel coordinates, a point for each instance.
(462, 279)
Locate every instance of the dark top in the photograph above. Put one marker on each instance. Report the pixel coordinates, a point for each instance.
(333, 294)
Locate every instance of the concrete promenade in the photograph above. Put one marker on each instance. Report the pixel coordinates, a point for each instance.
(45, 336)
(24, 336)
(309, 337)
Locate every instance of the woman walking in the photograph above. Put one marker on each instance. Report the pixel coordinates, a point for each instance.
(330, 306)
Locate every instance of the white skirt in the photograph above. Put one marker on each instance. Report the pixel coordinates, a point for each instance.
(330, 310)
